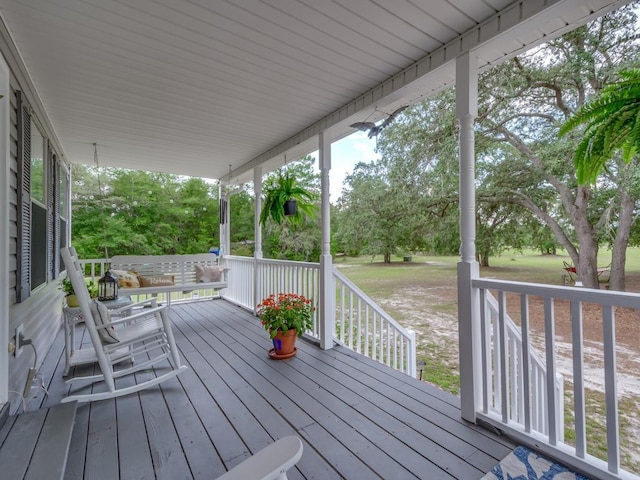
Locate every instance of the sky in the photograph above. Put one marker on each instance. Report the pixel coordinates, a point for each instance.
(345, 154)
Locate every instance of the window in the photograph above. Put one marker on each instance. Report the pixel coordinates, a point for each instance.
(64, 187)
(42, 209)
(38, 209)
(37, 165)
(63, 202)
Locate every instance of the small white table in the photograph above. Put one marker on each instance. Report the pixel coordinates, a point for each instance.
(73, 316)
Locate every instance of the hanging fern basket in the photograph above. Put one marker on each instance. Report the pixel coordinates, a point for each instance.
(286, 200)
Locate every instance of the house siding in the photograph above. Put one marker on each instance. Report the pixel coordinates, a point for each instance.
(41, 313)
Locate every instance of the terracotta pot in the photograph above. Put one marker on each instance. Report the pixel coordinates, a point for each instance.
(72, 301)
(285, 343)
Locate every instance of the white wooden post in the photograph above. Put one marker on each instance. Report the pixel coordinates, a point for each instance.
(257, 252)
(468, 268)
(4, 237)
(327, 287)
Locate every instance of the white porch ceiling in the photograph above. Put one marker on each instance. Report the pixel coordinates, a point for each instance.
(195, 86)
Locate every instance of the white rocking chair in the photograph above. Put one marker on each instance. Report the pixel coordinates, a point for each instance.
(146, 334)
(270, 463)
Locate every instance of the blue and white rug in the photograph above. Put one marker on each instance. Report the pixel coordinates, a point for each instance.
(524, 464)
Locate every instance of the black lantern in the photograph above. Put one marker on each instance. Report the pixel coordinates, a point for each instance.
(107, 287)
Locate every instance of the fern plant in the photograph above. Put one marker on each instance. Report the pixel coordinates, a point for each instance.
(286, 188)
(612, 124)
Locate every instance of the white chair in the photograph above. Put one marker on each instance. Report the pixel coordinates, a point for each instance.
(270, 463)
(145, 334)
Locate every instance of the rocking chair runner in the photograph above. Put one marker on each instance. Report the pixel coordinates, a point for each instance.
(146, 334)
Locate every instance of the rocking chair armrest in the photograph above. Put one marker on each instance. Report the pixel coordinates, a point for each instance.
(143, 314)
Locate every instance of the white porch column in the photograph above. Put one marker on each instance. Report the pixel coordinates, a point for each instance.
(225, 237)
(327, 287)
(257, 237)
(468, 268)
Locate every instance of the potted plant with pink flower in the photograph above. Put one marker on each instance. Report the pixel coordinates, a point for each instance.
(285, 316)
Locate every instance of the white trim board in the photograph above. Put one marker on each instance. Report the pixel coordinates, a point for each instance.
(5, 105)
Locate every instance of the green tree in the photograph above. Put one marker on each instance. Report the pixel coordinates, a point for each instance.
(523, 102)
(242, 215)
(200, 223)
(133, 212)
(374, 213)
(420, 152)
(520, 162)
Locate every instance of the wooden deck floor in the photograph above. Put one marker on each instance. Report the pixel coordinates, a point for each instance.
(357, 419)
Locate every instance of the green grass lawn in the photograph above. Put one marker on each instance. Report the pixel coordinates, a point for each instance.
(527, 265)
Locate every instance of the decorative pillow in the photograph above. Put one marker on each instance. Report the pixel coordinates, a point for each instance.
(126, 279)
(157, 281)
(206, 274)
(101, 316)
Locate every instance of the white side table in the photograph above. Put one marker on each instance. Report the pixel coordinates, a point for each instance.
(73, 316)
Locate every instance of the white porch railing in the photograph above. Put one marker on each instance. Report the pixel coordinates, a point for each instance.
(519, 368)
(241, 281)
(94, 268)
(366, 328)
(265, 276)
(515, 393)
(360, 324)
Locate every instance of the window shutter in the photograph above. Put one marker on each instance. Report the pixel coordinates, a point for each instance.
(24, 199)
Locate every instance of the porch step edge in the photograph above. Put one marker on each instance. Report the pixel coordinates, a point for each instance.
(37, 444)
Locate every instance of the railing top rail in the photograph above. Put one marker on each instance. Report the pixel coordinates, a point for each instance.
(340, 276)
(238, 258)
(272, 261)
(289, 263)
(576, 294)
(93, 260)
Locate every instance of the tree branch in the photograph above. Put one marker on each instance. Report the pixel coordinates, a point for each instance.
(560, 186)
(523, 200)
(527, 115)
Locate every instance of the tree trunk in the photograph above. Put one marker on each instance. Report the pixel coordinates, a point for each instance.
(586, 267)
(387, 257)
(619, 251)
(483, 259)
(587, 261)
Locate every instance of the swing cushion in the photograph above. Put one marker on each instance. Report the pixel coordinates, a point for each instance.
(208, 273)
(101, 316)
(126, 279)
